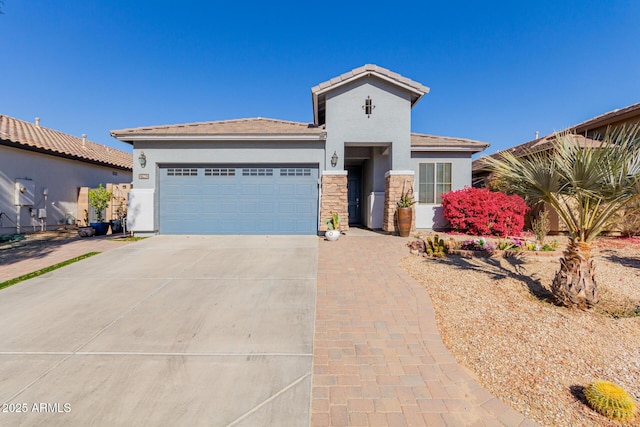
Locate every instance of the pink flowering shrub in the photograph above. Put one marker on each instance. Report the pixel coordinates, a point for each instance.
(482, 212)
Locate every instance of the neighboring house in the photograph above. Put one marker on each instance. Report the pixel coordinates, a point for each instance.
(587, 133)
(42, 170)
(265, 176)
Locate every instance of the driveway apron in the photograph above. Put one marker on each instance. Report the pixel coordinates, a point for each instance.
(172, 330)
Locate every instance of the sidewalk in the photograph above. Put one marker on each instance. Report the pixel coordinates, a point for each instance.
(378, 357)
(32, 255)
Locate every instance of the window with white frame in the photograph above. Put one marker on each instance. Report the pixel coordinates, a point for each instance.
(434, 179)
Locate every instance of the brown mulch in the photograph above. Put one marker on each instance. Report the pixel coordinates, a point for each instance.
(496, 318)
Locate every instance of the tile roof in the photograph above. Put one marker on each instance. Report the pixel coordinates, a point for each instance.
(34, 137)
(419, 140)
(252, 126)
(535, 146)
(609, 118)
(368, 69)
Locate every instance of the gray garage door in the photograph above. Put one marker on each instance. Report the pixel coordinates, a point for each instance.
(228, 199)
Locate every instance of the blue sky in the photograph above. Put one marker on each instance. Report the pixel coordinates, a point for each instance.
(498, 71)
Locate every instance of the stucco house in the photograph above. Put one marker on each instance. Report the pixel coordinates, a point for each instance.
(587, 133)
(42, 170)
(266, 176)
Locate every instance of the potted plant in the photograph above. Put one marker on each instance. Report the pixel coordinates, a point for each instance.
(86, 230)
(333, 227)
(99, 199)
(405, 213)
(121, 211)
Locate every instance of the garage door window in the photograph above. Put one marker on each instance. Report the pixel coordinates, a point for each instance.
(257, 172)
(182, 172)
(219, 172)
(295, 172)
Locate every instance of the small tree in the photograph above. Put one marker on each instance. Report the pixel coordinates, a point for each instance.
(586, 184)
(99, 199)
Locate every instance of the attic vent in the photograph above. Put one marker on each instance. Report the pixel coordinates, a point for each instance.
(368, 106)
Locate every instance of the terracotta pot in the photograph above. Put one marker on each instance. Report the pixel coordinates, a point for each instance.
(405, 217)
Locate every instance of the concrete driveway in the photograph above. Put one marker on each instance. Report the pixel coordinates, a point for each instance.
(172, 330)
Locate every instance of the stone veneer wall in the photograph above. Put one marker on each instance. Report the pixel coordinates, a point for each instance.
(334, 199)
(394, 186)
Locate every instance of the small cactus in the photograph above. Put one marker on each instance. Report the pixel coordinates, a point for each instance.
(436, 246)
(610, 400)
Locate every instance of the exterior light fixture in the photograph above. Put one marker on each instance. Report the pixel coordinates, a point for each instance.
(334, 159)
(142, 159)
(368, 106)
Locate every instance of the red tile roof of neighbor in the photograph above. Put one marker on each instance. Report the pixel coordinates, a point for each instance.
(30, 136)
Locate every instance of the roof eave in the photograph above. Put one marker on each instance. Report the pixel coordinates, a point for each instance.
(466, 149)
(220, 137)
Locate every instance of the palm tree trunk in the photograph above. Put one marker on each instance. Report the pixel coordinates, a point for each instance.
(574, 285)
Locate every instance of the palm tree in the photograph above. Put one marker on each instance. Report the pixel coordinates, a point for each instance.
(586, 182)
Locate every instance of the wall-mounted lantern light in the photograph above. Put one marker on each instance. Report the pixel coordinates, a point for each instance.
(142, 159)
(334, 159)
(368, 106)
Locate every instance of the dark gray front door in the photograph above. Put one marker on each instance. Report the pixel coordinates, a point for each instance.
(239, 199)
(354, 192)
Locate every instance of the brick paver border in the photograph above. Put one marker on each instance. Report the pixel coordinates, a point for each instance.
(378, 357)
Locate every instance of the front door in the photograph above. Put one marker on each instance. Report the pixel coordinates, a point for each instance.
(354, 192)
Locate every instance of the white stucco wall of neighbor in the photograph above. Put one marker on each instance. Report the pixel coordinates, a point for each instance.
(61, 177)
(430, 215)
(143, 212)
(389, 122)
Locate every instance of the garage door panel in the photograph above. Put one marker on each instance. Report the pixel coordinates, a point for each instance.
(260, 199)
(304, 190)
(228, 189)
(266, 190)
(286, 190)
(249, 190)
(304, 208)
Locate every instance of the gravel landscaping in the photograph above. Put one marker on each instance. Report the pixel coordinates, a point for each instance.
(495, 317)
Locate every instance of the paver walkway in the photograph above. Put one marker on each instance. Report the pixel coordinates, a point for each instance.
(378, 357)
(30, 256)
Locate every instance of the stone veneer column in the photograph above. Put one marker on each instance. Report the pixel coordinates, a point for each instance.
(396, 183)
(334, 198)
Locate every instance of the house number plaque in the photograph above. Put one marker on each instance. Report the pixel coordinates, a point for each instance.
(143, 176)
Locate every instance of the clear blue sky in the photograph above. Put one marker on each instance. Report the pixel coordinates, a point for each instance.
(498, 71)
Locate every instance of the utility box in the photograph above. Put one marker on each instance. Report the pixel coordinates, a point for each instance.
(25, 192)
(42, 213)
